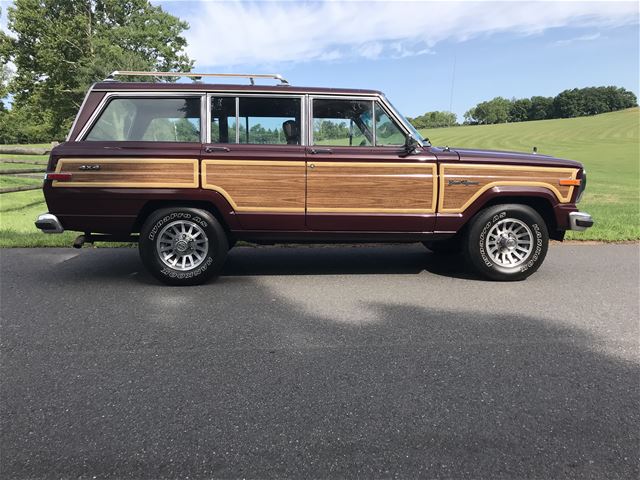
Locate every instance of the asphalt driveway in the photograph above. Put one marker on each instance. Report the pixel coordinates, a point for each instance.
(320, 362)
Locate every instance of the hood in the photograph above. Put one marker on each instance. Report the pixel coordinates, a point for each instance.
(514, 158)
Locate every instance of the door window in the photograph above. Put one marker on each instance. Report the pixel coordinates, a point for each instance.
(149, 119)
(342, 122)
(260, 120)
(269, 121)
(223, 120)
(387, 131)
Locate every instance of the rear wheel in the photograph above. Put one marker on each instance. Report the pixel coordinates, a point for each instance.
(506, 242)
(183, 246)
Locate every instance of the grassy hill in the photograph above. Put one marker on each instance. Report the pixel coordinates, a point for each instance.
(608, 145)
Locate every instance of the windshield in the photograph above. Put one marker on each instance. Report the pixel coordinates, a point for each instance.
(406, 122)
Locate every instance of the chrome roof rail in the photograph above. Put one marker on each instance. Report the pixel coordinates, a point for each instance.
(196, 76)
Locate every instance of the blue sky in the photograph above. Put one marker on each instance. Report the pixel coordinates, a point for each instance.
(407, 49)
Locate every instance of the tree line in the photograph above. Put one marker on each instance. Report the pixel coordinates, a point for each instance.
(576, 102)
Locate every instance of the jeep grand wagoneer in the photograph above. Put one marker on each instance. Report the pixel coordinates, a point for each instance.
(187, 169)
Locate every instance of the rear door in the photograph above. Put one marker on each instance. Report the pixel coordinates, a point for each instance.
(358, 175)
(254, 157)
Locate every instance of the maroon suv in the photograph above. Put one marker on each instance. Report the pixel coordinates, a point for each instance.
(187, 169)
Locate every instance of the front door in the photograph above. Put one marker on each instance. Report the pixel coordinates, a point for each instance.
(255, 159)
(358, 176)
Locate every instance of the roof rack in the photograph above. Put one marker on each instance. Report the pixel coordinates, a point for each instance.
(197, 76)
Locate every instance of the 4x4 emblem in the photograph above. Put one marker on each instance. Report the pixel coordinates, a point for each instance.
(466, 183)
(89, 167)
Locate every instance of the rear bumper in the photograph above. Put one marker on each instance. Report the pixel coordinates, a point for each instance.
(49, 223)
(580, 221)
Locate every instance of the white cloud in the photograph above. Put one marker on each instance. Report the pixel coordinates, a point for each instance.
(582, 38)
(241, 33)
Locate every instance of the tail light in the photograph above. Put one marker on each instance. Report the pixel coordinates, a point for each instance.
(60, 177)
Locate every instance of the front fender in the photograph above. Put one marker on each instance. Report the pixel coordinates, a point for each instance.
(453, 222)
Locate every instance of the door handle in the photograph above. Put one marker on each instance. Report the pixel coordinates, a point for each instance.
(216, 149)
(316, 151)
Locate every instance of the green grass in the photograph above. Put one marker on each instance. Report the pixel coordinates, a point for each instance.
(20, 166)
(7, 181)
(608, 145)
(31, 145)
(18, 212)
(31, 158)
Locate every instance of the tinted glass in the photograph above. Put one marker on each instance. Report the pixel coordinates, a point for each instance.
(223, 120)
(149, 119)
(269, 120)
(342, 122)
(387, 131)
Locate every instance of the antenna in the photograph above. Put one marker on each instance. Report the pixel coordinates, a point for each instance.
(453, 79)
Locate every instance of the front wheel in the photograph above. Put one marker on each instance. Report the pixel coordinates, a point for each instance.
(506, 242)
(183, 246)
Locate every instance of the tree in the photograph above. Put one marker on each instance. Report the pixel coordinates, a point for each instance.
(520, 109)
(60, 47)
(492, 111)
(541, 108)
(568, 104)
(434, 120)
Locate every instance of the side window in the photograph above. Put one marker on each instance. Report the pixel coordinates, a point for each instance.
(387, 131)
(269, 120)
(149, 119)
(223, 120)
(342, 122)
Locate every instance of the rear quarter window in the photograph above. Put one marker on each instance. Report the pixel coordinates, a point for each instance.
(148, 119)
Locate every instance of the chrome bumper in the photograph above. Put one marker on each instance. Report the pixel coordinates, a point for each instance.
(49, 223)
(580, 221)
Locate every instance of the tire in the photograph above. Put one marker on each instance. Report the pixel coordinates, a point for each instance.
(450, 246)
(190, 237)
(496, 245)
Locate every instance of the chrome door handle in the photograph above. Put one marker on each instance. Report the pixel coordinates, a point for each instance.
(216, 149)
(316, 151)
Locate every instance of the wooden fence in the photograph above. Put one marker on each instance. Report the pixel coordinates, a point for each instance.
(12, 155)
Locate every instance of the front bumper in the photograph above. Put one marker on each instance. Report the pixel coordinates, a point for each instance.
(580, 221)
(49, 223)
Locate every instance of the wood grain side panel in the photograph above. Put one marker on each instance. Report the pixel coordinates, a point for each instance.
(455, 198)
(257, 186)
(371, 187)
(130, 173)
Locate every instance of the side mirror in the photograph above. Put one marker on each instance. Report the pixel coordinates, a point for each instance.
(411, 145)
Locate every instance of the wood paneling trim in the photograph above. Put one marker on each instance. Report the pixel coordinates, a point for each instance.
(130, 173)
(456, 198)
(372, 187)
(257, 185)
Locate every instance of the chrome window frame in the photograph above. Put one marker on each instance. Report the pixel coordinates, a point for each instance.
(238, 96)
(373, 98)
(81, 137)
